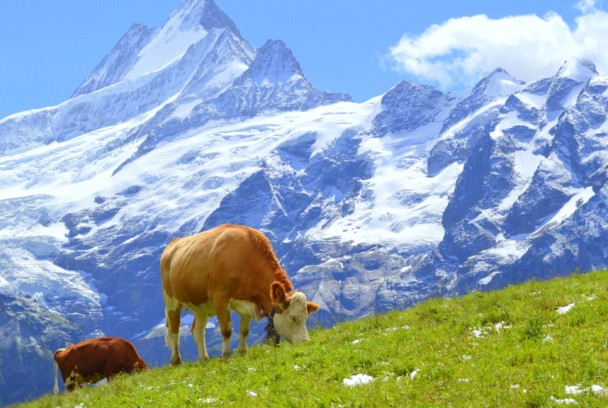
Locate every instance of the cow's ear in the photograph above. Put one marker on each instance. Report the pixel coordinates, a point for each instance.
(278, 295)
(311, 307)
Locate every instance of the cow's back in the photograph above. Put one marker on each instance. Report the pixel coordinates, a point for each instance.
(85, 358)
(227, 262)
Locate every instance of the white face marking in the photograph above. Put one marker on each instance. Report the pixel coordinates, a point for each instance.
(291, 323)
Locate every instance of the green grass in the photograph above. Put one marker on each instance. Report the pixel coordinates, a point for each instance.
(426, 356)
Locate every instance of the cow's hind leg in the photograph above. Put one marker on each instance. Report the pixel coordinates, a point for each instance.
(198, 332)
(173, 312)
(223, 318)
(244, 331)
(73, 381)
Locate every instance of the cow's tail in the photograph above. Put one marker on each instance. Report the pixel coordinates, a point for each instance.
(56, 387)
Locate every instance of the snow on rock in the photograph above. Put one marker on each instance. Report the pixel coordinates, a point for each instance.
(358, 379)
(565, 309)
(186, 26)
(568, 83)
(597, 390)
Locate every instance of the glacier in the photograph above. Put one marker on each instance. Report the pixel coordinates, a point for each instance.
(370, 206)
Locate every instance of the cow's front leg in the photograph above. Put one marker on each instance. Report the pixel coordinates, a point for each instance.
(244, 331)
(198, 332)
(223, 318)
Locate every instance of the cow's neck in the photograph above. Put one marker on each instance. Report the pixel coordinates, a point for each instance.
(272, 338)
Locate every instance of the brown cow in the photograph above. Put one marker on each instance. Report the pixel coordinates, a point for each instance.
(96, 359)
(228, 267)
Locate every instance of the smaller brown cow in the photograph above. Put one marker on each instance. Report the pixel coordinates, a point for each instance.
(96, 359)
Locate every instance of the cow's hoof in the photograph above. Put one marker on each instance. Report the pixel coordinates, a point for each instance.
(176, 362)
(225, 355)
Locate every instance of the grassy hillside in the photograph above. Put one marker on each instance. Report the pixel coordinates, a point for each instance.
(508, 348)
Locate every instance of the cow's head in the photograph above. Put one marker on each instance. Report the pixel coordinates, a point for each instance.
(292, 312)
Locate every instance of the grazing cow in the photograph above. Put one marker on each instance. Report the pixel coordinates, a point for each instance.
(229, 267)
(96, 359)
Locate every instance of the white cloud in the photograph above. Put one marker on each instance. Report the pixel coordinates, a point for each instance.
(461, 50)
(586, 6)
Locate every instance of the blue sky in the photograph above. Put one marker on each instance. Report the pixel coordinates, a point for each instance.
(47, 48)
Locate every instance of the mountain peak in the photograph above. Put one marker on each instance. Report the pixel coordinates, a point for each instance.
(407, 106)
(578, 69)
(568, 83)
(204, 13)
(498, 83)
(274, 62)
(188, 25)
(118, 62)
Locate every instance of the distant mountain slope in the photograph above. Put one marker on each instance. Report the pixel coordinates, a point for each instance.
(370, 206)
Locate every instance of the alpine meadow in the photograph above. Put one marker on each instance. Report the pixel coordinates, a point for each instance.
(535, 344)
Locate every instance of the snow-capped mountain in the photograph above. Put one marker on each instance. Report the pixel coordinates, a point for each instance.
(370, 206)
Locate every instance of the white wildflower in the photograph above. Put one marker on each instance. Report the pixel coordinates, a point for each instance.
(207, 400)
(388, 377)
(398, 328)
(501, 325)
(479, 333)
(566, 401)
(252, 393)
(413, 374)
